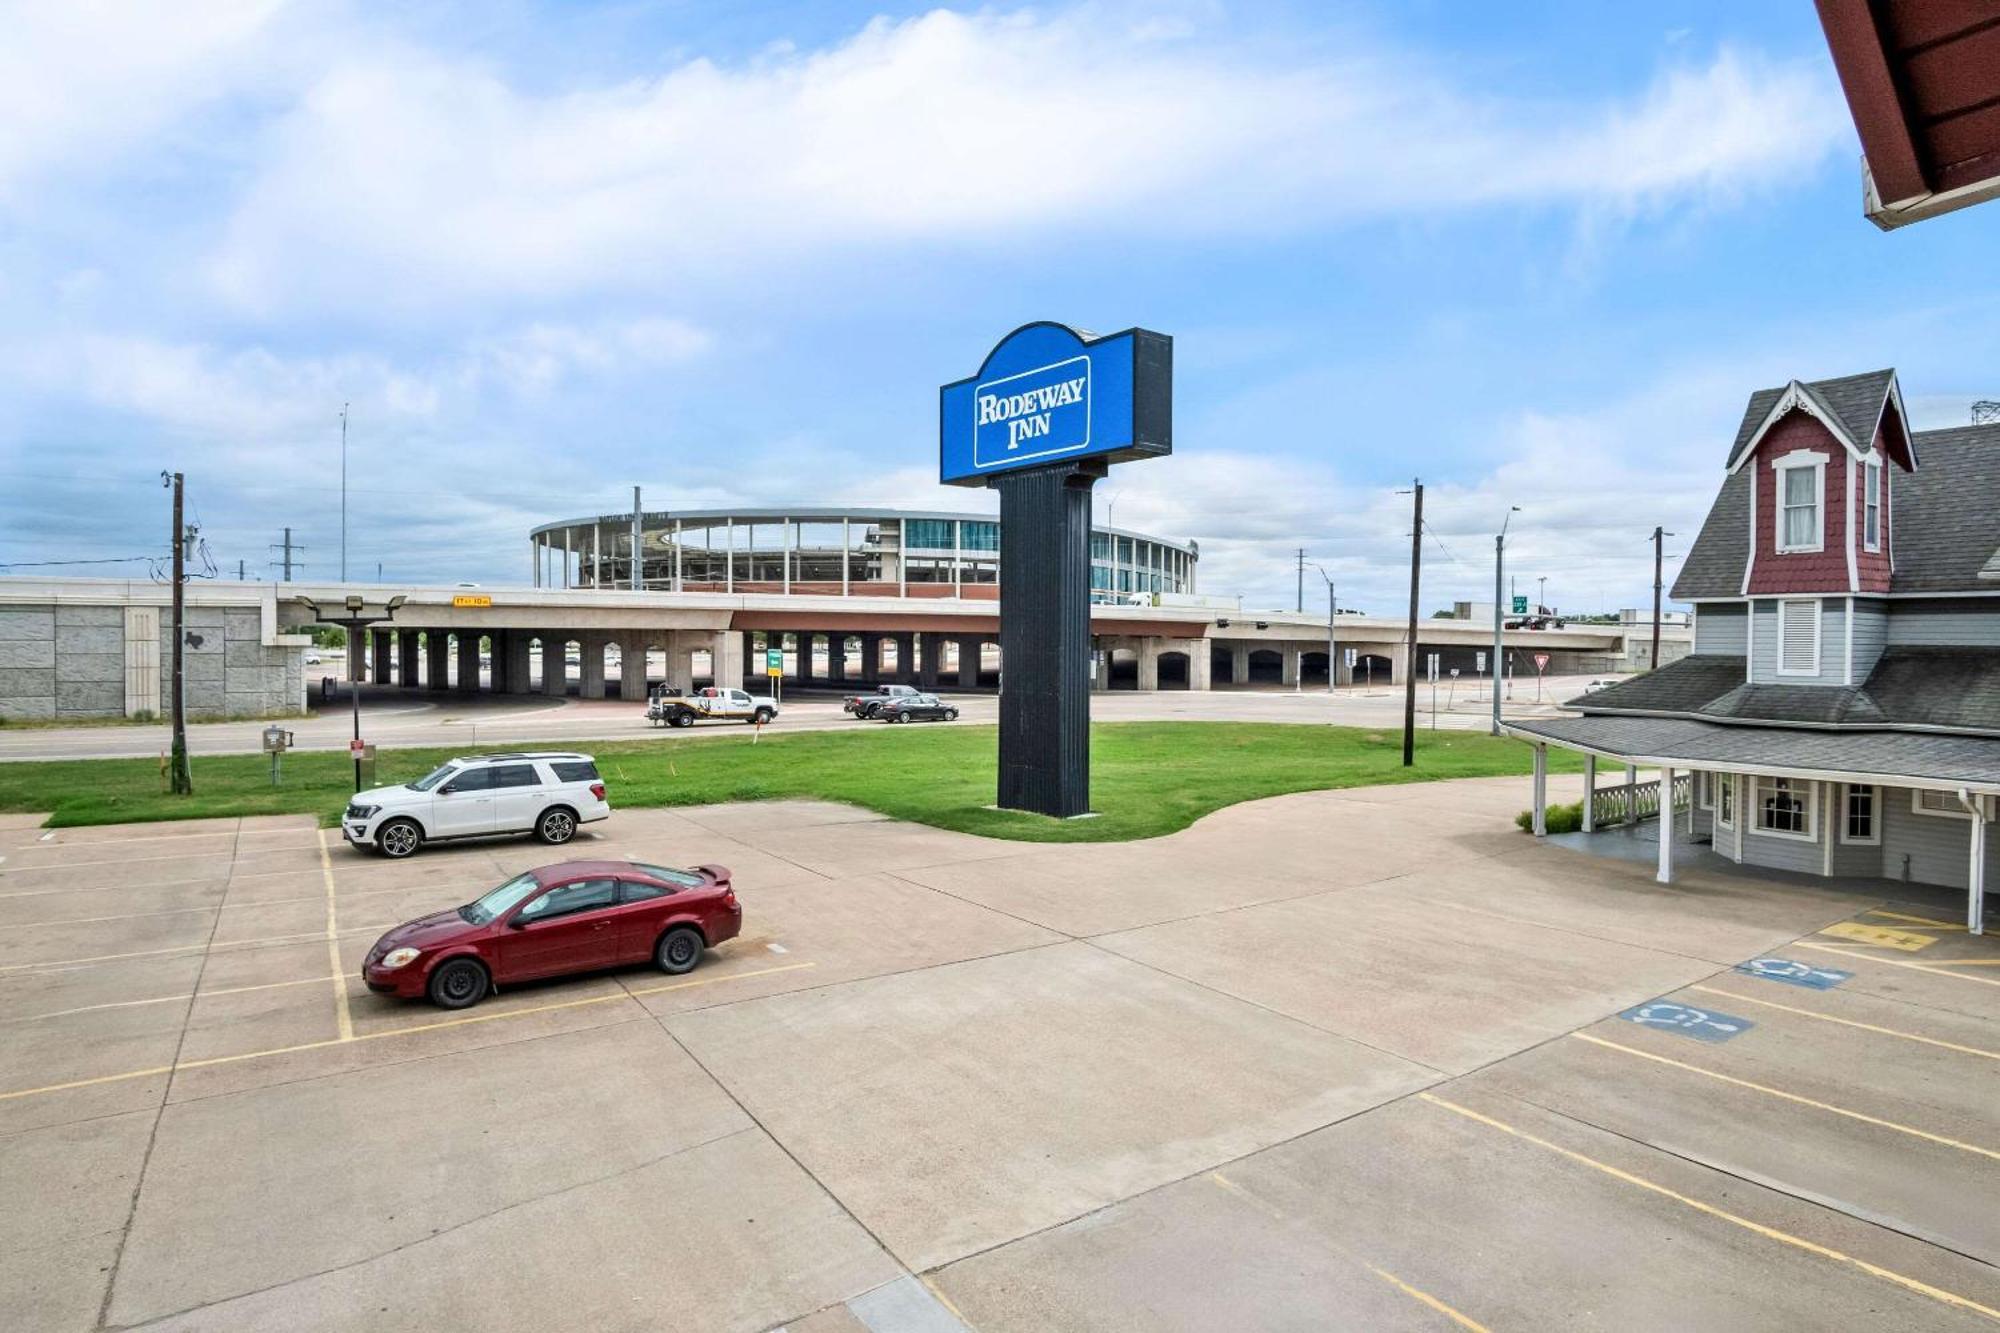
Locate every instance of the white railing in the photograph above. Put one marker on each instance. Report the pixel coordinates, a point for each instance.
(1630, 802)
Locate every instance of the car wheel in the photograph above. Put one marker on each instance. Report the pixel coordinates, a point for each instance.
(682, 719)
(399, 838)
(679, 950)
(951, 715)
(556, 826)
(764, 716)
(458, 984)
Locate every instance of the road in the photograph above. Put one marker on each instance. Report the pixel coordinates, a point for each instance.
(392, 718)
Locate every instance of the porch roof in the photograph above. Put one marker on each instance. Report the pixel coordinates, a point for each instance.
(1891, 758)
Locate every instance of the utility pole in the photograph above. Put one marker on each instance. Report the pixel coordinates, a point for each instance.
(1299, 604)
(343, 492)
(1659, 548)
(241, 577)
(180, 781)
(287, 548)
(1332, 609)
(1499, 641)
(1542, 595)
(1410, 654)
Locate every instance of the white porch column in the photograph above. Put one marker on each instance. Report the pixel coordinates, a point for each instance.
(1666, 871)
(1541, 825)
(1975, 894)
(1589, 793)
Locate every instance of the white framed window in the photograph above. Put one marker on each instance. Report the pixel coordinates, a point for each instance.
(1725, 800)
(1859, 822)
(1798, 638)
(1943, 804)
(1801, 515)
(1783, 809)
(1871, 507)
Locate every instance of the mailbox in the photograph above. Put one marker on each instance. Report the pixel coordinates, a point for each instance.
(277, 740)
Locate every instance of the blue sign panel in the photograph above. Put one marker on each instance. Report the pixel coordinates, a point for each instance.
(1701, 1024)
(1048, 394)
(1794, 974)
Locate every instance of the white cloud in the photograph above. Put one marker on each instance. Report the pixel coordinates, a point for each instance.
(402, 177)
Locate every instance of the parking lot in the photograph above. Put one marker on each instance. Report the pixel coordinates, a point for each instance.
(1365, 1059)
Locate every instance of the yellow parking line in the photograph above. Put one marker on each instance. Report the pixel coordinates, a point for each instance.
(226, 946)
(343, 1019)
(1849, 1022)
(1931, 968)
(1756, 1228)
(1416, 1294)
(398, 1032)
(1932, 922)
(1789, 1096)
(164, 999)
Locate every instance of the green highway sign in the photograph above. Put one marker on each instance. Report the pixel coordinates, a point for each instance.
(774, 659)
(1520, 606)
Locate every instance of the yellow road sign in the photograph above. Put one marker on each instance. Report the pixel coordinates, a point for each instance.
(471, 599)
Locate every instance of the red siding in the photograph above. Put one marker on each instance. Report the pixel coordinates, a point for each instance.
(1824, 570)
(1872, 567)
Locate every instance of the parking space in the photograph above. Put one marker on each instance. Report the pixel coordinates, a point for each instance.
(1370, 1052)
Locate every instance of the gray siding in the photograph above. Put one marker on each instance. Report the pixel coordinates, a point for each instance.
(1719, 628)
(1764, 849)
(1945, 623)
(1860, 860)
(1938, 849)
(1832, 644)
(1871, 635)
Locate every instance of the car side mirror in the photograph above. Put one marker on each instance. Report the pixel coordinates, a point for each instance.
(447, 789)
(518, 922)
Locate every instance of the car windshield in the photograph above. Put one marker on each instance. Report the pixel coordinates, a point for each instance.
(495, 901)
(431, 779)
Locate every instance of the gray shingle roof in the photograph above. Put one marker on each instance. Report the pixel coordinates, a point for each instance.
(1882, 756)
(1943, 520)
(1909, 687)
(1677, 687)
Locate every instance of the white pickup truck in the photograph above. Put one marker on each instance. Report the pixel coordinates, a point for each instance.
(713, 705)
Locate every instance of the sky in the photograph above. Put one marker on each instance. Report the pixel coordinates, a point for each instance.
(1531, 254)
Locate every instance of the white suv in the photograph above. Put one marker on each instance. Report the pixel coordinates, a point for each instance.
(547, 794)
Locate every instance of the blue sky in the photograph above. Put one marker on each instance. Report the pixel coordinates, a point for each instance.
(1534, 254)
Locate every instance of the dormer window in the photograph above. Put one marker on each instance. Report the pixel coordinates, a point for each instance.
(1871, 502)
(1801, 516)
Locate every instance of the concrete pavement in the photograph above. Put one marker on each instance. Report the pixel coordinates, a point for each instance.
(1337, 1059)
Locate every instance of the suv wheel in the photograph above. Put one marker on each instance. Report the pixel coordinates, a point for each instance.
(556, 826)
(764, 716)
(399, 838)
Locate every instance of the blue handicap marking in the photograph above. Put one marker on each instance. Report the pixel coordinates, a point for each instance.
(1701, 1024)
(1794, 974)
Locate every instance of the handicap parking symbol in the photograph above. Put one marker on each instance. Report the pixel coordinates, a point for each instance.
(1701, 1024)
(1794, 974)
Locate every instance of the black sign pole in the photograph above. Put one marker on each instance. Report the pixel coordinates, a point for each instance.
(1045, 638)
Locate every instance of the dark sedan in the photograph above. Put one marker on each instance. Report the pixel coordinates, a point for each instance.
(918, 708)
(580, 916)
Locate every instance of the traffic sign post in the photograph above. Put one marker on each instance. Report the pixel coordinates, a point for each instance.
(1048, 413)
(774, 667)
(1541, 665)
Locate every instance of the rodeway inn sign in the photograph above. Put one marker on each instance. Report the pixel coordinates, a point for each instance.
(1048, 393)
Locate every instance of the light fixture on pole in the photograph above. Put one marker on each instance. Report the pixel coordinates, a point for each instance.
(1499, 582)
(1332, 609)
(357, 620)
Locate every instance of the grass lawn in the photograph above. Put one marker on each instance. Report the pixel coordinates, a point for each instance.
(1147, 778)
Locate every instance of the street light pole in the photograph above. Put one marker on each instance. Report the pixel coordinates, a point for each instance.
(1332, 662)
(1499, 581)
(356, 622)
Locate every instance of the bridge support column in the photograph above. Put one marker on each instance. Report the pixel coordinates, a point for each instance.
(1291, 658)
(1239, 664)
(906, 657)
(590, 673)
(520, 645)
(406, 658)
(681, 647)
(437, 660)
(357, 656)
(871, 658)
(927, 673)
(555, 664)
(632, 668)
(727, 648)
(468, 662)
(836, 657)
(1149, 663)
(1400, 659)
(968, 663)
(1199, 664)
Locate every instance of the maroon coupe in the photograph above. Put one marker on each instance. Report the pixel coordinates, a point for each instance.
(579, 916)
